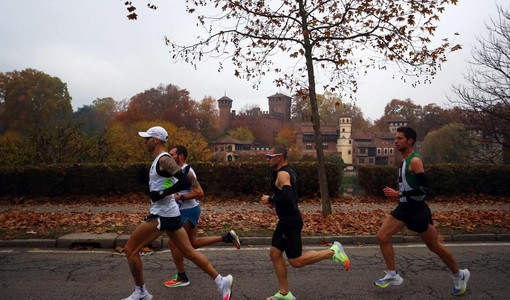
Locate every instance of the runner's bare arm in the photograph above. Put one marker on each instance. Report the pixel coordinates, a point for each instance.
(196, 190)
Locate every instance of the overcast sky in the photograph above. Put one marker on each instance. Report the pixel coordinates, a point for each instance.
(98, 52)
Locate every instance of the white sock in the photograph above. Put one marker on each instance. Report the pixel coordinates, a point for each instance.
(459, 274)
(218, 280)
(392, 272)
(141, 289)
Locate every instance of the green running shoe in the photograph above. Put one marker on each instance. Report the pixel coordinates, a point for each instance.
(279, 296)
(340, 256)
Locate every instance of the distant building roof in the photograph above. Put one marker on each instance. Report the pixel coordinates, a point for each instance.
(231, 140)
(278, 95)
(396, 119)
(225, 98)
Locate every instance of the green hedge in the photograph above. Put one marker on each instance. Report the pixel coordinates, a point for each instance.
(220, 179)
(63, 180)
(443, 179)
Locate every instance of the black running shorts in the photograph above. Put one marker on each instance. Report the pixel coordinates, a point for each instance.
(288, 239)
(166, 223)
(416, 216)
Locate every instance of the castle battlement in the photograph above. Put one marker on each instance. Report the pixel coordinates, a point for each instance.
(250, 113)
(271, 121)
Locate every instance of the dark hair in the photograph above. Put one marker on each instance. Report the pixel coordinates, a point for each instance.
(408, 132)
(182, 150)
(280, 148)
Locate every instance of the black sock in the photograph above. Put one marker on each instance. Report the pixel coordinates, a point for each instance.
(182, 276)
(226, 238)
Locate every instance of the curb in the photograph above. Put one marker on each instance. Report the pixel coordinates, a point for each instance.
(113, 240)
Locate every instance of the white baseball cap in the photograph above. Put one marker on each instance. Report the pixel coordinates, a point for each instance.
(157, 132)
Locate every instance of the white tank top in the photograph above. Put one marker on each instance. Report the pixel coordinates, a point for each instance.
(188, 203)
(165, 207)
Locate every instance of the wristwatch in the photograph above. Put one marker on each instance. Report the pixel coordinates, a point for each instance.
(399, 193)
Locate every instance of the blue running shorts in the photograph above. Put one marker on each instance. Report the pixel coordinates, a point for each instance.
(191, 214)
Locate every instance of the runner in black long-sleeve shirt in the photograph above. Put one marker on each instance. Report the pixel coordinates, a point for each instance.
(287, 234)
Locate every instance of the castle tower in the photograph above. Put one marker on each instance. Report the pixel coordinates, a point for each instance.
(279, 106)
(225, 106)
(395, 123)
(344, 142)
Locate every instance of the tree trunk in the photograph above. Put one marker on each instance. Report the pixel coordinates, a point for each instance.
(323, 183)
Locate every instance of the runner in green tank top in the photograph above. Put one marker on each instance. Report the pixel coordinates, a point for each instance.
(413, 212)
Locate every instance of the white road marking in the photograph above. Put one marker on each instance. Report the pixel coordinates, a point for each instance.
(250, 248)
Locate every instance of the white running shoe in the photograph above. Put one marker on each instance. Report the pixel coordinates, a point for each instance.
(136, 296)
(226, 287)
(388, 280)
(460, 283)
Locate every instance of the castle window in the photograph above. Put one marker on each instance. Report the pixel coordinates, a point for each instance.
(308, 146)
(343, 129)
(361, 160)
(378, 150)
(350, 142)
(385, 150)
(391, 150)
(324, 145)
(229, 148)
(349, 152)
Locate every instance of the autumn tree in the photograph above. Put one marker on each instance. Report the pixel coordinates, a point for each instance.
(32, 99)
(63, 143)
(433, 117)
(328, 104)
(423, 119)
(165, 103)
(124, 144)
(197, 145)
(406, 109)
(293, 40)
(242, 134)
(95, 118)
(358, 120)
(208, 118)
(287, 136)
(14, 150)
(485, 98)
(451, 143)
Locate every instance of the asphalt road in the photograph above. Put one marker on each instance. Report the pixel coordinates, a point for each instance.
(69, 274)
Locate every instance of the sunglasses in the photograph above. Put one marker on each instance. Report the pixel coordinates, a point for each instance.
(269, 156)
